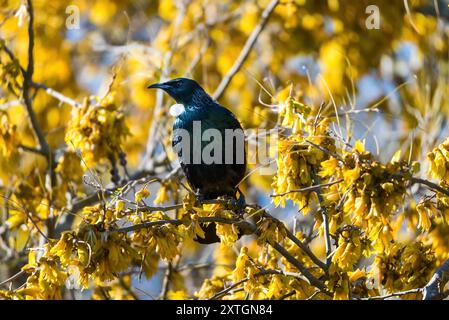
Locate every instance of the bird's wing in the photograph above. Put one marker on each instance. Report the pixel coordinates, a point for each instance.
(221, 118)
(212, 117)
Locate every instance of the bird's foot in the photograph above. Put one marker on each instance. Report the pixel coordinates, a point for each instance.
(199, 197)
(241, 200)
(237, 204)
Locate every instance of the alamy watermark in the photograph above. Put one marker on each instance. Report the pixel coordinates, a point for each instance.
(212, 146)
(373, 20)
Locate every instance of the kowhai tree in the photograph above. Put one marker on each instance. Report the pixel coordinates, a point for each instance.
(91, 194)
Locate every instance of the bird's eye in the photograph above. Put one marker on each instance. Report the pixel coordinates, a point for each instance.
(177, 84)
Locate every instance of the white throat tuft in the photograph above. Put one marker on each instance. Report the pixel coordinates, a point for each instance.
(176, 109)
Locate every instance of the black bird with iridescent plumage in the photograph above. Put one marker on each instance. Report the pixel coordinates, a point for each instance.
(208, 180)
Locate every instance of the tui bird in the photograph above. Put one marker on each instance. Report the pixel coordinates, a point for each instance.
(200, 112)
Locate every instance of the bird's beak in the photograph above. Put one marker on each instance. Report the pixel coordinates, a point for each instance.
(157, 86)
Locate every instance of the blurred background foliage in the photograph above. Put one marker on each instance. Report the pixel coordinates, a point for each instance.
(393, 81)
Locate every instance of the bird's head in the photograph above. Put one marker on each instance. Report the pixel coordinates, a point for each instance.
(180, 89)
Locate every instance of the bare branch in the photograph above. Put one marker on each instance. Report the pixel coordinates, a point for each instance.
(308, 189)
(325, 217)
(310, 277)
(27, 84)
(246, 49)
(225, 291)
(12, 278)
(302, 246)
(56, 94)
(431, 185)
(244, 225)
(31, 149)
(328, 152)
(395, 294)
(434, 288)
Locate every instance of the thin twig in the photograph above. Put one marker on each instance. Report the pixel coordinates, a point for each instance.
(27, 84)
(314, 295)
(395, 294)
(12, 278)
(307, 189)
(176, 222)
(324, 214)
(31, 149)
(302, 246)
(223, 292)
(431, 185)
(310, 277)
(249, 44)
(328, 152)
(56, 94)
(433, 289)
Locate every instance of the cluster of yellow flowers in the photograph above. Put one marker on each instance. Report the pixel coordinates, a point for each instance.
(227, 232)
(350, 249)
(69, 169)
(8, 136)
(438, 169)
(98, 129)
(10, 74)
(405, 266)
(30, 208)
(372, 192)
(439, 162)
(297, 155)
(163, 239)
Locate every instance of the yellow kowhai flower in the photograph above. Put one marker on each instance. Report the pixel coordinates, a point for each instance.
(8, 136)
(356, 275)
(210, 287)
(141, 194)
(271, 231)
(119, 206)
(162, 239)
(425, 210)
(277, 287)
(177, 295)
(69, 167)
(241, 265)
(98, 130)
(351, 175)
(194, 229)
(227, 233)
(162, 195)
(349, 249)
(51, 277)
(328, 168)
(380, 235)
(405, 266)
(439, 161)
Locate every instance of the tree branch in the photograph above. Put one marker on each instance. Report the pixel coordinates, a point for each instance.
(434, 288)
(56, 94)
(307, 189)
(246, 49)
(27, 84)
(325, 217)
(431, 185)
(395, 294)
(302, 246)
(223, 292)
(243, 224)
(12, 278)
